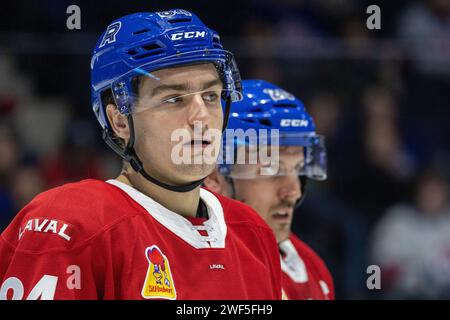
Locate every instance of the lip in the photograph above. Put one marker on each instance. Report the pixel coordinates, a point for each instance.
(198, 144)
(281, 215)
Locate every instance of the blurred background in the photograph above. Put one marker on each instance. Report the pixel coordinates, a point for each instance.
(381, 98)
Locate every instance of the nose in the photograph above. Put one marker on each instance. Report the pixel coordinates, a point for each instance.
(289, 188)
(198, 111)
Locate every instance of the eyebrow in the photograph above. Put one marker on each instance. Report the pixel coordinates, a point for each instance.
(183, 87)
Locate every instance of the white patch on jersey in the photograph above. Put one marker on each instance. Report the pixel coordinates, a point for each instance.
(324, 287)
(182, 227)
(293, 264)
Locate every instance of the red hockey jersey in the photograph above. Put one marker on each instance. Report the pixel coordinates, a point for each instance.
(106, 240)
(304, 276)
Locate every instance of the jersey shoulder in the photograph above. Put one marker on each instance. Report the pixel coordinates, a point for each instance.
(311, 258)
(69, 214)
(238, 212)
(306, 252)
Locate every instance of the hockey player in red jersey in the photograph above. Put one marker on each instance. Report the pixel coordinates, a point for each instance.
(285, 148)
(158, 82)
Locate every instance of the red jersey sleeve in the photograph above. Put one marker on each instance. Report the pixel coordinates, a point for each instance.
(54, 250)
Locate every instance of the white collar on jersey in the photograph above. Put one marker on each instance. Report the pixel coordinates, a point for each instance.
(182, 227)
(292, 264)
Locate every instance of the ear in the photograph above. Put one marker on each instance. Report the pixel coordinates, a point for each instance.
(119, 122)
(217, 183)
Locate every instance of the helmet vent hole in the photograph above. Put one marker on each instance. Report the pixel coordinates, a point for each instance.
(285, 105)
(179, 20)
(249, 120)
(265, 122)
(148, 54)
(257, 110)
(151, 46)
(140, 31)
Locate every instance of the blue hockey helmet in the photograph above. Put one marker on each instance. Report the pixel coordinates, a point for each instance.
(137, 45)
(269, 115)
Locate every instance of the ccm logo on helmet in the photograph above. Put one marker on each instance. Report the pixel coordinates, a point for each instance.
(293, 123)
(187, 35)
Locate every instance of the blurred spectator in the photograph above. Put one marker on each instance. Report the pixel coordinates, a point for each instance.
(7, 104)
(326, 222)
(20, 178)
(264, 69)
(424, 28)
(357, 39)
(382, 164)
(326, 110)
(383, 140)
(9, 157)
(27, 183)
(76, 159)
(9, 152)
(411, 243)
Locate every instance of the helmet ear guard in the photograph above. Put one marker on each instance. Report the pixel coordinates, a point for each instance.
(121, 92)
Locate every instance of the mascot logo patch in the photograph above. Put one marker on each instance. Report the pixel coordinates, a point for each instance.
(158, 282)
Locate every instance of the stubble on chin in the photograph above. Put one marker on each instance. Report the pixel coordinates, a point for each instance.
(198, 171)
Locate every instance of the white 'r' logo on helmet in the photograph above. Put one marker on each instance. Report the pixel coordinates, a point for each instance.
(110, 34)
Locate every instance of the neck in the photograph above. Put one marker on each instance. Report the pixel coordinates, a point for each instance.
(281, 237)
(183, 203)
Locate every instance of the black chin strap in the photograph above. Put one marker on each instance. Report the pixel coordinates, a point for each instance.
(129, 154)
(136, 164)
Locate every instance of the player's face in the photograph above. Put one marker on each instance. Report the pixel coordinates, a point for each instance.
(165, 139)
(274, 197)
